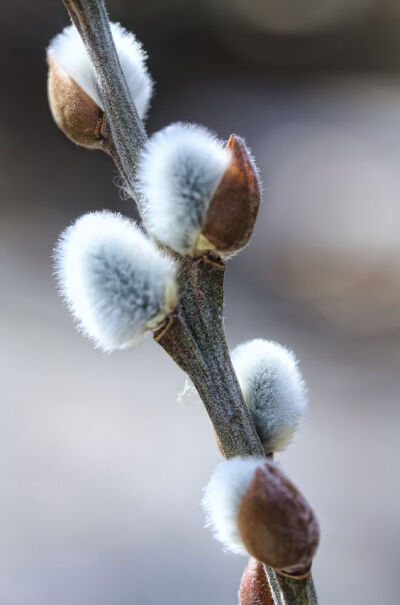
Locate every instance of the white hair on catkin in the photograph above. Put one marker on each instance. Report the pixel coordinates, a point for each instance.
(222, 497)
(179, 171)
(68, 50)
(115, 281)
(273, 389)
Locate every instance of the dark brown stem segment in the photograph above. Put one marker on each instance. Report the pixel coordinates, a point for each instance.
(298, 591)
(254, 586)
(127, 130)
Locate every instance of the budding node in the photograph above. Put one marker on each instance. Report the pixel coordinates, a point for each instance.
(254, 509)
(73, 90)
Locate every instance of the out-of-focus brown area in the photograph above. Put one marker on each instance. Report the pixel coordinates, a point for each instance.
(101, 467)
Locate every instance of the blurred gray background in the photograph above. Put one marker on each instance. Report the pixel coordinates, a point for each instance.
(101, 468)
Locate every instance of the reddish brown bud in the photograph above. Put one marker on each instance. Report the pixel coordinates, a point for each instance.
(230, 218)
(254, 587)
(276, 523)
(74, 111)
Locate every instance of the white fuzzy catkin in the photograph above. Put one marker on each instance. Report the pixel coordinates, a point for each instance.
(273, 389)
(68, 51)
(222, 497)
(179, 171)
(115, 281)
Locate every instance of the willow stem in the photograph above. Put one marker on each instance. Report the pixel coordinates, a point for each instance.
(298, 591)
(194, 337)
(274, 586)
(127, 130)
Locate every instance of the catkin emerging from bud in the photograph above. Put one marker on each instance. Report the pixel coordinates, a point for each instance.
(116, 283)
(222, 497)
(200, 195)
(73, 91)
(273, 389)
(179, 171)
(254, 509)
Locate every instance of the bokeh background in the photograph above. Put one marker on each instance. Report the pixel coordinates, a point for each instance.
(101, 468)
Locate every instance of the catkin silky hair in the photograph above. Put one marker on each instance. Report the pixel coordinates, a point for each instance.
(179, 171)
(113, 279)
(273, 389)
(68, 51)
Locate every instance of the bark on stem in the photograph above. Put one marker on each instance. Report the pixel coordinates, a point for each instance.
(194, 337)
(274, 586)
(126, 127)
(298, 591)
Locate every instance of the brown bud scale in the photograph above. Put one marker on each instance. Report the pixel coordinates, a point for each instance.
(276, 523)
(254, 587)
(230, 218)
(73, 110)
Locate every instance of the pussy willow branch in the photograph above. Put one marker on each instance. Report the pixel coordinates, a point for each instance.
(193, 334)
(127, 130)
